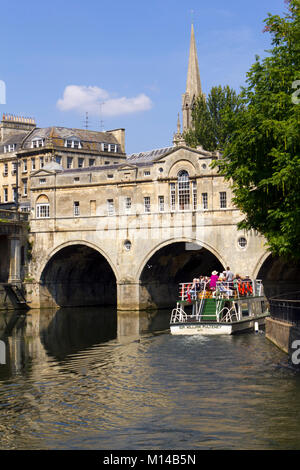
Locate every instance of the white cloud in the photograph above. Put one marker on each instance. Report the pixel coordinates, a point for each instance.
(97, 101)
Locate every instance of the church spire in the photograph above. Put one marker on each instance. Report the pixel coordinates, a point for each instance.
(193, 85)
(193, 90)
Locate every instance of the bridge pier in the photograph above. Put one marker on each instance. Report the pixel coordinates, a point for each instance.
(15, 259)
(128, 295)
(133, 295)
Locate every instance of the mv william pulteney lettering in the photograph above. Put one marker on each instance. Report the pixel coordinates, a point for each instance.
(214, 306)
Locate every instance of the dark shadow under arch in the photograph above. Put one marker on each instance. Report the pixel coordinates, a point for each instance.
(78, 275)
(169, 266)
(279, 276)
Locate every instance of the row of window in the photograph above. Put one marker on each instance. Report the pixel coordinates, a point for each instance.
(161, 203)
(58, 159)
(42, 210)
(13, 171)
(81, 162)
(76, 144)
(14, 192)
(24, 166)
(73, 143)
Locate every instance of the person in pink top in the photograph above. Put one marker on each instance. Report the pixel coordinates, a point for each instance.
(213, 280)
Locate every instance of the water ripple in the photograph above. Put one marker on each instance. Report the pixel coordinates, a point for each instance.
(149, 390)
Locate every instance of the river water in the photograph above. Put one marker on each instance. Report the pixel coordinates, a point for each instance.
(97, 379)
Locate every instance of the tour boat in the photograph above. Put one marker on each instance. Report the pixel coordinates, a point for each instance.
(230, 308)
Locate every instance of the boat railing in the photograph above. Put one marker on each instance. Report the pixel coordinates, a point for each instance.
(236, 289)
(188, 291)
(178, 315)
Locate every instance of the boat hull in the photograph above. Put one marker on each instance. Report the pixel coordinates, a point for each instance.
(214, 328)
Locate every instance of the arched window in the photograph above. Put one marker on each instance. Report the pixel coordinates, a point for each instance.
(183, 190)
(42, 207)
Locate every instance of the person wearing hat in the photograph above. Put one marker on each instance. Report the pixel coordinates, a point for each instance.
(213, 280)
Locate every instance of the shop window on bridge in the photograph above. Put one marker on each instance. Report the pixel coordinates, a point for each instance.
(42, 207)
(147, 204)
(194, 186)
(76, 209)
(183, 190)
(204, 201)
(110, 207)
(128, 205)
(223, 200)
(161, 203)
(173, 197)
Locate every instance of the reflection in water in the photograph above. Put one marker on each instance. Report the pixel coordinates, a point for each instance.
(74, 329)
(99, 379)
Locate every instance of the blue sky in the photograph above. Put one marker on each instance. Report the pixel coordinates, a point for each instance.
(59, 58)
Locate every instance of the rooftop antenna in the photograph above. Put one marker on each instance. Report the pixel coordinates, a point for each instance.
(86, 121)
(101, 120)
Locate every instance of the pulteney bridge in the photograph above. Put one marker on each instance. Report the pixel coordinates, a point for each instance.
(127, 234)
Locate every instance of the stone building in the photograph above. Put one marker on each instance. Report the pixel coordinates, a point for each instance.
(13, 131)
(24, 148)
(131, 231)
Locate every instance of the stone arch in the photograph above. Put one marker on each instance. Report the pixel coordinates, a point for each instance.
(279, 275)
(170, 241)
(77, 273)
(259, 264)
(42, 206)
(172, 262)
(184, 164)
(53, 251)
(42, 199)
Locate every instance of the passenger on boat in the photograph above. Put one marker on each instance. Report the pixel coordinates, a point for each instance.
(198, 285)
(195, 287)
(248, 285)
(242, 285)
(237, 278)
(229, 275)
(223, 286)
(213, 280)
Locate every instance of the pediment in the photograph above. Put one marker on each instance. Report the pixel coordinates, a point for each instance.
(127, 167)
(42, 172)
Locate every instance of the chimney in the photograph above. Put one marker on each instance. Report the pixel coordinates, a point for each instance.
(119, 134)
(11, 124)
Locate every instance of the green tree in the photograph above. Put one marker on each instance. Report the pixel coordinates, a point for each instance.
(209, 127)
(262, 158)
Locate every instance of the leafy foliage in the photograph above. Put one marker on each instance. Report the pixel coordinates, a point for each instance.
(210, 129)
(262, 156)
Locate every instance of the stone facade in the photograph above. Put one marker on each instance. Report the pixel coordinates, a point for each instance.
(125, 218)
(24, 148)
